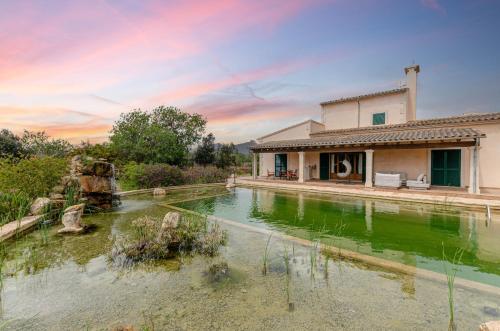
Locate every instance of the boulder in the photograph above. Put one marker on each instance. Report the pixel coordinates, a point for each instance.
(159, 191)
(103, 169)
(96, 184)
(171, 220)
(39, 206)
(56, 196)
(230, 181)
(71, 219)
(76, 165)
(490, 326)
(70, 181)
(59, 189)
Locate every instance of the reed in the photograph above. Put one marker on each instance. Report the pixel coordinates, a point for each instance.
(265, 257)
(286, 259)
(451, 272)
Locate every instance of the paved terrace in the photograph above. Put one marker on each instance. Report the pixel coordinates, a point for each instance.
(452, 196)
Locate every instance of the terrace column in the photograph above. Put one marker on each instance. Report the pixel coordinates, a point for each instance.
(369, 168)
(474, 170)
(301, 166)
(254, 165)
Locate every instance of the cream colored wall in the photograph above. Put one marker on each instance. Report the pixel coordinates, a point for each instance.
(298, 132)
(411, 161)
(345, 115)
(489, 158)
(311, 158)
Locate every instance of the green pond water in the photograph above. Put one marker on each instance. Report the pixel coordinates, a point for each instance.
(414, 234)
(55, 282)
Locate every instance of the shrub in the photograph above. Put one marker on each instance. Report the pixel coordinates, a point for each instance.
(35, 176)
(137, 176)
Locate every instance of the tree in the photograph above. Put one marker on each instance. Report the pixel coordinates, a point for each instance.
(163, 135)
(205, 153)
(39, 144)
(10, 145)
(226, 156)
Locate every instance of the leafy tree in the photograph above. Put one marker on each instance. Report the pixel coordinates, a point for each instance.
(10, 145)
(97, 151)
(205, 153)
(39, 144)
(226, 156)
(161, 136)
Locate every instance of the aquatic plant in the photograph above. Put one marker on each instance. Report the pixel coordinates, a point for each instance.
(313, 258)
(265, 257)
(44, 233)
(153, 238)
(286, 259)
(451, 272)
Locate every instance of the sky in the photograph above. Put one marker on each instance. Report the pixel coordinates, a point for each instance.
(70, 68)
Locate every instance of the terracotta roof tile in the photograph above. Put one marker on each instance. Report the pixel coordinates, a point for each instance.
(386, 137)
(426, 123)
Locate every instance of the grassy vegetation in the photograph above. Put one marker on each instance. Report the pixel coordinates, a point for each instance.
(152, 240)
(265, 256)
(451, 272)
(13, 206)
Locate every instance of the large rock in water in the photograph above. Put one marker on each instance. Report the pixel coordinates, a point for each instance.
(71, 219)
(159, 191)
(490, 326)
(40, 206)
(171, 220)
(96, 184)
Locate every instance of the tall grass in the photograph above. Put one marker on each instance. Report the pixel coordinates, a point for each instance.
(265, 256)
(286, 259)
(451, 272)
(13, 206)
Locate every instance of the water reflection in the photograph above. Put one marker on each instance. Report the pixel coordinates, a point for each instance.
(414, 234)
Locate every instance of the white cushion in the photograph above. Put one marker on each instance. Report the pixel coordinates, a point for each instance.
(420, 178)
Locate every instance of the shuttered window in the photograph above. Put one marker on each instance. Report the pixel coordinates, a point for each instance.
(378, 118)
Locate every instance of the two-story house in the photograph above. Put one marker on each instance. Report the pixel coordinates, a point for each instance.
(363, 135)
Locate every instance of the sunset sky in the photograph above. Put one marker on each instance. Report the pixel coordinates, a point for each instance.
(251, 67)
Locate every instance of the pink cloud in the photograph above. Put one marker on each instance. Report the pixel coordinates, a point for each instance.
(434, 5)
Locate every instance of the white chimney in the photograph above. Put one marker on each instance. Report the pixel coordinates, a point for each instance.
(411, 83)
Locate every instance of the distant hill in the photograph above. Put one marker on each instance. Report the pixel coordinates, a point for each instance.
(244, 148)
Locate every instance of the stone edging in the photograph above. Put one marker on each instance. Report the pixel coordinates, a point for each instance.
(368, 259)
(167, 188)
(10, 229)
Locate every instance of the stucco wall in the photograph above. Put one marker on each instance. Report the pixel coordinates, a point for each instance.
(411, 161)
(300, 131)
(345, 115)
(489, 158)
(311, 159)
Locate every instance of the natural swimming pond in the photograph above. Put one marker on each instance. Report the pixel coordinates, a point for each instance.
(53, 282)
(413, 234)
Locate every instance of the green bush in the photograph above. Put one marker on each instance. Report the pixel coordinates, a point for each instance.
(35, 177)
(137, 176)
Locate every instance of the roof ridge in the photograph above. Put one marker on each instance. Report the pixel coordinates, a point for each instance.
(289, 127)
(416, 124)
(366, 95)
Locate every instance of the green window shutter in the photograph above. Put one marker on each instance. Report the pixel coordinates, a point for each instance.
(378, 118)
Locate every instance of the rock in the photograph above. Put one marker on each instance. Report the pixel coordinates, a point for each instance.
(171, 220)
(103, 169)
(96, 184)
(58, 189)
(40, 206)
(124, 328)
(159, 191)
(71, 219)
(70, 181)
(218, 272)
(230, 185)
(490, 326)
(76, 165)
(56, 196)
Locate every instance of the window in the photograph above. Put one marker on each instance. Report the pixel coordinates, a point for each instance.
(378, 118)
